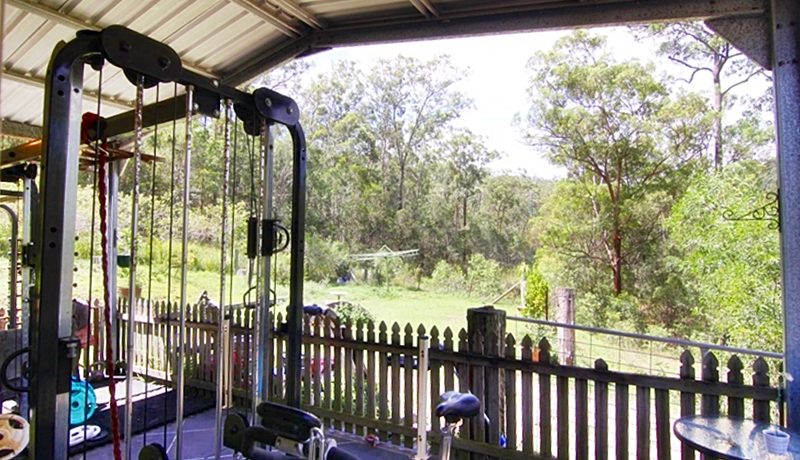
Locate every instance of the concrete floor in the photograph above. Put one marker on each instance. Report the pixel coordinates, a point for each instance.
(198, 430)
(198, 440)
(199, 434)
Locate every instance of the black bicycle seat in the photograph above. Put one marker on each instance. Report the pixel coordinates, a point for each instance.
(455, 406)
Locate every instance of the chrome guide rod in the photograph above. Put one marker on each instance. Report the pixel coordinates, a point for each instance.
(28, 207)
(187, 166)
(137, 164)
(268, 184)
(220, 350)
(114, 169)
(253, 277)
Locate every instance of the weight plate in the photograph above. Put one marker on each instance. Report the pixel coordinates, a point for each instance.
(153, 451)
(83, 402)
(14, 435)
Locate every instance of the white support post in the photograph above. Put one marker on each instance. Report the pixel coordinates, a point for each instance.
(422, 398)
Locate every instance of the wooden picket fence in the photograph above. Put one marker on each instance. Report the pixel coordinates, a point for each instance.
(361, 378)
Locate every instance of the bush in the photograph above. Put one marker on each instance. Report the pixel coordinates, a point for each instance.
(448, 278)
(323, 258)
(536, 294)
(483, 276)
(353, 312)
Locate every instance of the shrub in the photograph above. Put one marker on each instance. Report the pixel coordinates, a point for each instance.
(323, 257)
(536, 294)
(353, 312)
(448, 278)
(483, 276)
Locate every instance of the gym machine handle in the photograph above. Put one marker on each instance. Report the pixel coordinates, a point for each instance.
(274, 237)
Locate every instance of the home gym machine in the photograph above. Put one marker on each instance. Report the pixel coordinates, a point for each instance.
(292, 433)
(146, 63)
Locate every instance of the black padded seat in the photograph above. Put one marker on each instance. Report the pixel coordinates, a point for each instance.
(455, 406)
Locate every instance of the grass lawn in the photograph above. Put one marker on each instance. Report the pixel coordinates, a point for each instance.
(403, 305)
(395, 304)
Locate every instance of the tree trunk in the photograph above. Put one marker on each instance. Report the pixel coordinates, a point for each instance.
(718, 99)
(402, 185)
(617, 232)
(464, 211)
(617, 262)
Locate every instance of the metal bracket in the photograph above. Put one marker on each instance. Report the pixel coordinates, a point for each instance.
(750, 35)
(69, 351)
(28, 254)
(140, 55)
(769, 212)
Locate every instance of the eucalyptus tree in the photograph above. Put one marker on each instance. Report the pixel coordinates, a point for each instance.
(701, 51)
(626, 142)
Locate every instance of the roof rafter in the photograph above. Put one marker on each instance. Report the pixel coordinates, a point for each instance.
(420, 7)
(31, 80)
(291, 7)
(523, 18)
(534, 18)
(19, 129)
(425, 7)
(269, 15)
(58, 17)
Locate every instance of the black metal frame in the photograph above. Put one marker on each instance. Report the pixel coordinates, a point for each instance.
(53, 348)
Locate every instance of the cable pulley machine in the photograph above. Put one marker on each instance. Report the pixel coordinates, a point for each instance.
(146, 63)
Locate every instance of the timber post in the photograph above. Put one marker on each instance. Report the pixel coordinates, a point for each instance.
(486, 332)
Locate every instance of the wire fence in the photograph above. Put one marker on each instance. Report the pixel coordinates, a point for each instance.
(629, 351)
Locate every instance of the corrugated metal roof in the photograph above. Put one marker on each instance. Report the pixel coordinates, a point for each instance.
(235, 40)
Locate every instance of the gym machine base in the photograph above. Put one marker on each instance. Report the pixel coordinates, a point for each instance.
(293, 434)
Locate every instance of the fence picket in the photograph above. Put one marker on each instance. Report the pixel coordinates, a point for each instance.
(358, 358)
(621, 417)
(601, 414)
(511, 396)
(709, 404)
(761, 379)
(319, 364)
(307, 365)
(348, 374)
(735, 376)
(642, 423)
(687, 398)
(327, 334)
(663, 426)
(370, 414)
(582, 419)
(395, 364)
(463, 378)
(545, 406)
(449, 367)
(436, 387)
(527, 397)
(383, 378)
(562, 416)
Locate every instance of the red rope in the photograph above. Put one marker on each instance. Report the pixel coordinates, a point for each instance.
(90, 120)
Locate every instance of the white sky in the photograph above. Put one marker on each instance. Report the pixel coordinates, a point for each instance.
(497, 82)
